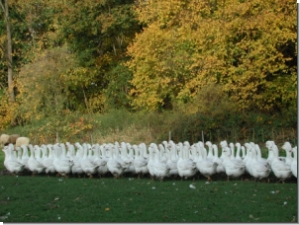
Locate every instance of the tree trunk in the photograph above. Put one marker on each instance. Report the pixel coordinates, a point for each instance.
(9, 55)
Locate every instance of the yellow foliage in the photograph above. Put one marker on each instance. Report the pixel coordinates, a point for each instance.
(249, 47)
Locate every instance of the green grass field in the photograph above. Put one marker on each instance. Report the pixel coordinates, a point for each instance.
(53, 199)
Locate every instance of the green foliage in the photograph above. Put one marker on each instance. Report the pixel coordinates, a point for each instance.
(99, 32)
(218, 117)
(118, 88)
(42, 92)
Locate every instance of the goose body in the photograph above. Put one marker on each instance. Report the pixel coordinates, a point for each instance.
(151, 161)
(76, 157)
(33, 164)
(233, 167)
(280, 169)
(172, 160)
(24, 157)
(61, 164)
(257, 169)
(207, 167)
(86, 162)
(161, 169)
(140, 162)
(47, 160)
(10, 162)
(220, 167)
(186, 167)
(114, 164)
(288, 151)
(294, 166)
(100, 159)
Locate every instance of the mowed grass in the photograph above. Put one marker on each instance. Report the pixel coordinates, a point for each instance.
(128, 199)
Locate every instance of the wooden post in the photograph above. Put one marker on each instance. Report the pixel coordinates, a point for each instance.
(57, 138)
(91, 137)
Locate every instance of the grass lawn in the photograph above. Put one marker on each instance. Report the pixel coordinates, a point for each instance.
(53, 199)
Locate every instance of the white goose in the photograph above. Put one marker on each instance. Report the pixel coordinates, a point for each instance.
(257, 169)
(75, 156)
(19, 154)
(140, 162)
(127, 156)
(280, 169)
(151, 160)
(33, 164)
(47, 160)
(86, 163)
(186, 167)
(231, 145)
(25, 156)
(238, 151)
(223, 145)
(161, 169)
(269, 145)
(258, 154)
(288, 151)
(61, 164)
(248, 148)
(163, 153)
(220, 168)
(100, 161)
(37, 154)
(10, 162)
(172, 160)
(207, 167)
(210, 154)
(233, 167)
(294, 165)
(114, 164)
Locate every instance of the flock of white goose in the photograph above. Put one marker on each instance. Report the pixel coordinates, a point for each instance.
(167, 159)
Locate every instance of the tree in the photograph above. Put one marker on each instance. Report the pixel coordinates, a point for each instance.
(249, 47)
(99, 32)
(43, 92)
(4, 7)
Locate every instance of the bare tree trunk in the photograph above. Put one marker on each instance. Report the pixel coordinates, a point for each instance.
(9, 55)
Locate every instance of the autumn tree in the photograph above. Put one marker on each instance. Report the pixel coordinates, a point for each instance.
(249, 47)
(29, 21)
(259, 51)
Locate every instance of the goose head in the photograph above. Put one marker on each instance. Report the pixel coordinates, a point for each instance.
(208, 143)
(269, 145)
(287, 146)
(226, 150)
(186, 143)
(223, 144)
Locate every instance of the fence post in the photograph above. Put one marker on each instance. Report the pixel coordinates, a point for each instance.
(57, 137)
